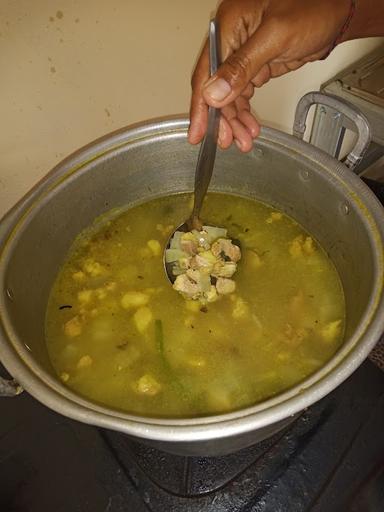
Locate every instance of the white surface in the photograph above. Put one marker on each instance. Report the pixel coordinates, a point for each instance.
(73, 70)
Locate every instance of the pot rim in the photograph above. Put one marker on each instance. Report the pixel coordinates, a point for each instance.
(20, 363)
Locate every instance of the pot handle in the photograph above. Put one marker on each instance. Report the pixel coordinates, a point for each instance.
(9, 387)
(345, 108)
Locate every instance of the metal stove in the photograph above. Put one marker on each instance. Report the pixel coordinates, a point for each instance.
(331, 459)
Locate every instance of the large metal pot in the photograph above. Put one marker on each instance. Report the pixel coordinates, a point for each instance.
(152, 159)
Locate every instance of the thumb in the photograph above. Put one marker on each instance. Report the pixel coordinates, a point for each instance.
(238, 69)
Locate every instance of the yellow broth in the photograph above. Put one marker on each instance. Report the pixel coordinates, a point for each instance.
(118, 333)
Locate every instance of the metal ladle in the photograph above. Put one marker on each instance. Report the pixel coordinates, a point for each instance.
(207, 153)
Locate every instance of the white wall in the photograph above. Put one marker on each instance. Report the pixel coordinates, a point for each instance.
(72, 70)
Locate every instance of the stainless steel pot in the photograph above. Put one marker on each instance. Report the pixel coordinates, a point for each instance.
(152, 159)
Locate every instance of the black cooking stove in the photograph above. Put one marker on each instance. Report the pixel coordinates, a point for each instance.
(330, 459)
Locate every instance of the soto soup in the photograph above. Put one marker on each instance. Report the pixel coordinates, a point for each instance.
(119, 334)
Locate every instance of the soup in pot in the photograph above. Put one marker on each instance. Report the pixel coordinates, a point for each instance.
(119, 334)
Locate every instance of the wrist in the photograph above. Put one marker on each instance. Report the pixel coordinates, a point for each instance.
(367, 21)
(349, 13)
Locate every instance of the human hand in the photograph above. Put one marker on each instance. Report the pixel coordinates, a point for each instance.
(260, 39)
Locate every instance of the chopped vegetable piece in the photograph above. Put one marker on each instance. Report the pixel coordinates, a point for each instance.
(172, 255)
(331, 331)
(214, 233)
(132, 300)
(241, 309)
(84, 362)
(148, 385)
(142, 318)
(155, 247)
(274, 217)
(73, 327)
(301, 246)
(84, 296)
(78, 276)
(93, 268)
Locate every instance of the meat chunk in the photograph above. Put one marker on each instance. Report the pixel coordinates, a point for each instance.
(225, 286)
(189, 247)
(222, 269)
(225, 249)
(186, 286)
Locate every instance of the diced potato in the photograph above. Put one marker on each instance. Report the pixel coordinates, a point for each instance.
(84, 362)
(188, 236)
(296, 247)
(294, 335)
(241, 309)
(101, 293)
(78, 276)
(111, 286)
(155, 247)
(64, 376)
(274, 217)
(148, 385)
(300, 246)
(133, 299)
(84, 296)
(211, 295)
(93, 268)
(73, 327)
(308, 246)
(225, 286)
(330, 331)
(208, 256)
(142, 318)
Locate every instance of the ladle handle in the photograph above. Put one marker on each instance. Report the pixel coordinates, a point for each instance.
(207, 153)
(345, 108)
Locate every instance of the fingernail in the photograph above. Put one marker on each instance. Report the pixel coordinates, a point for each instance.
(218, 90)
(238, 144)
